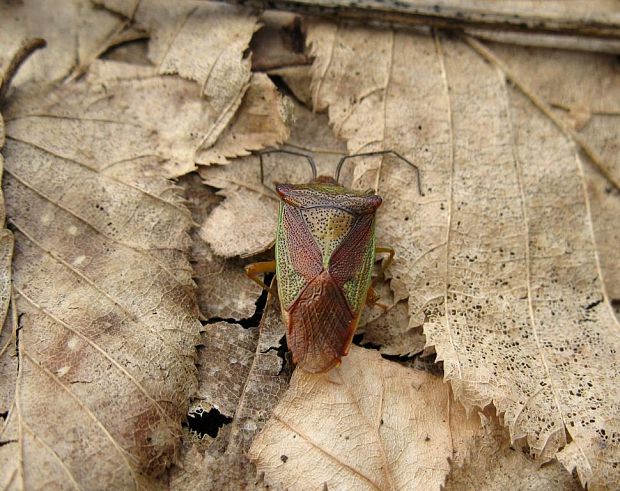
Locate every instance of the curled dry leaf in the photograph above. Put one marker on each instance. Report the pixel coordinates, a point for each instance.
(498, 255)
(491, 463)
(369, 424)
(106, 344)
(204, 42)
(248, 206)
(260, 122)
(75, 30)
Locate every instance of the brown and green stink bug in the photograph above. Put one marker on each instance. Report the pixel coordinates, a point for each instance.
(325, 250)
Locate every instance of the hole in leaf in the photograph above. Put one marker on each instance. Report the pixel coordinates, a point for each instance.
(207, 423)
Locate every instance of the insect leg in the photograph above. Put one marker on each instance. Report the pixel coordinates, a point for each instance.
(385, 250)
(371, 300)
(254, 269)
(289, 152)
(380, 152)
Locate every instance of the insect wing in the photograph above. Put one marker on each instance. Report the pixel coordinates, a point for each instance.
(324, 256)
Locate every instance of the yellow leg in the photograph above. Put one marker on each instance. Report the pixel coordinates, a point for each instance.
(388, 261)
(371, 300)
(254, 269)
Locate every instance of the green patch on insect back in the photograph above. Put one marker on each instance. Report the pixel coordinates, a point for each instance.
(290, 281)
(356, 288)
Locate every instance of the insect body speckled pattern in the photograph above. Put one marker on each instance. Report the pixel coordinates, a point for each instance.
(325, 250)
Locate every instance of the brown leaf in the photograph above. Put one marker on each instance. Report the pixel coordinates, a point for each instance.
(369, 424)
(203, 42)
(75, 30)
(108, 315)
(492, 463)
(8, 324)
(242, 377)
(498, 255)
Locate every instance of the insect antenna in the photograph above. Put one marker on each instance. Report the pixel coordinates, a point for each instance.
(380, 152)
(267, 152)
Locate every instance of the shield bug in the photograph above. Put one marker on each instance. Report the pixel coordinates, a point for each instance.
(324, 253)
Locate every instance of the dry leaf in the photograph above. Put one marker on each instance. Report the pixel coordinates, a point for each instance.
(279, 42)
(200, 41)
(266, 383)
(106, 344)
(492, 464)
(369, 424)
(75, 30)
(224, 290)
(242, 377)
(590, 85)
(259, 123)
(8, 360)
(222, 473)
(126, 113)
(498, 255)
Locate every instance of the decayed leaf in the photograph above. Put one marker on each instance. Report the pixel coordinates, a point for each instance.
(498, 255)
(222, 473)
(200, 41)
(369, 424)
(252, 207)
(76, 33)
(259, 123)
(106, 344)
(492, 464)
(263, 385)
(241, 376)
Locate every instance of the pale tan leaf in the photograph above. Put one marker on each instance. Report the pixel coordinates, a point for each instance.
(492, 463)
(498, 256)
(108, 329)
(605, 205)
(200, 41)
(248, 206)
(587, 99)
(75, 30)
(369, 424)
(260, 122)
